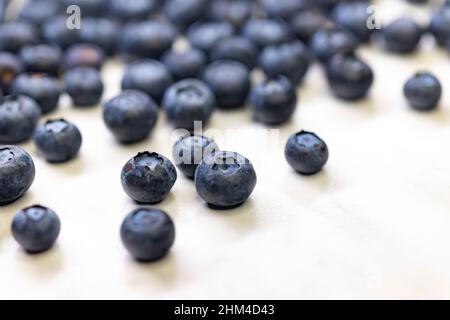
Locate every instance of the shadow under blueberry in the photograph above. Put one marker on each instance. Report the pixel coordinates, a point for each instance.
(164, 269)
(42, 264)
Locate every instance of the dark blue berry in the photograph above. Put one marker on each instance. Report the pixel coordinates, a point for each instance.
(185, 64)
(131, 116)
(332, 40)
(225, 179)
(42, 58)
(16, 34)
(230, 82)
(183, 13)
(90, 8)
(307, 22)
(289, 59)
(83, 55)
(284, 8)
(148, 234)
(36, 228)
(39, 11)
(235, 12)
(265, 32)
(205, 36)
(402, 36)
(84, 85)
(101, 32)
(306, 153)
(354, 16)
(10, 67)
(349, 77)
(132, 10)
(187, 102)
(148, 177)
(55, 31)
(440, 25)
(190, 150)
(58, 140)
(273, 101)
(423, 91)
(236, 48)
(149, 76)
(16, 173)
(19, 116)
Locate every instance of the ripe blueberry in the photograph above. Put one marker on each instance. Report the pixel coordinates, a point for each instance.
(84, 85)
(423, 91)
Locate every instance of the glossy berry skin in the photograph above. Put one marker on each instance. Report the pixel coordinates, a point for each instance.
(132, 10)
(55, 31)
(330, 41)
(353, 16)
(225, 179)
(306, 153)
(183, 13)
(10, 67)
(185, 64)
(291, 60)
(58, 140)
(349, 77)
(148, 177)
(83, 55)
(440, 25)
(205, 36)
(42, 58)
(19, 116)
(84, 85)
(37, 12)
(273, 101)
(423, 91)
(131, 116)
(45, 90)
(230, 82)
(402, 36)
(190, 150)
(149, 76)
(16, 173)
(265, 32)
(16, 34)
(188, 101)
(101, 32)
(236, 48)
(146, 39)
(148, 234)
(36, 228)
(306, 23)
(235, 12)
(284, 8)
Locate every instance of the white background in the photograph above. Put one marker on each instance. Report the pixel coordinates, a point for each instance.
(374, 224)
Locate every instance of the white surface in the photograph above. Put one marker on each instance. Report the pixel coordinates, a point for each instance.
(374, 224)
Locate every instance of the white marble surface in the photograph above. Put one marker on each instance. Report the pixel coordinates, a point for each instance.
(374, 224)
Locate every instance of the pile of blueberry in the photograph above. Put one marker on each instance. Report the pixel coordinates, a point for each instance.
(41, 58)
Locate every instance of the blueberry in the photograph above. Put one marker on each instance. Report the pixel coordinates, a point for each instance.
(130, 116)
(10, 67)
(332, 40)
(88, 7)
(306, 153)
(265, 32)
(349, 77)
(289, 59)
(42, 58)
(36, 228)
(101, 32)
(183, 13)
(188, 101)
(58, 140)
(55, 31)
(225, 179)
(148, 234)
(230, 82)
(18, 118)
(423, 91)
(402, 36)
(353, 16)
(284, 8)
(84, 85)
(44, 89)
(236, 48)
(190, 150)
(149, 76)
(83, 55)
(16, 34)
(235, 12)
(148, 177)
(205, 36)
(307, 22)
(185, 64)
(440, 25)
(39, 11)
(273, 101)
(132, 10)
(147, 39)
(16, 173)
